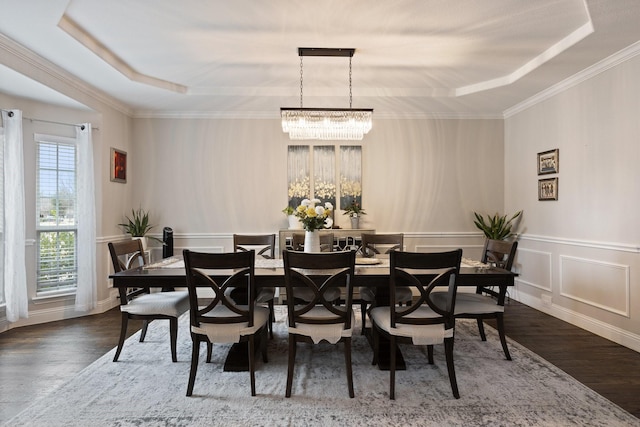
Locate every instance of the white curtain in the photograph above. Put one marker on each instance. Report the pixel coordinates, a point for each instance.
(86, 293)
(15, 274)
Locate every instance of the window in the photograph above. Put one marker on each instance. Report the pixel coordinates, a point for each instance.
(2, 300)
(56, 228)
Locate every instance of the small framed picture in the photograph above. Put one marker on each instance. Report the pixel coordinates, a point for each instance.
(548, 162)
(548, 189)
(118, 165)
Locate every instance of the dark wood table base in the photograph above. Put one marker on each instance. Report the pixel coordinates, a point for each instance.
(384, 356)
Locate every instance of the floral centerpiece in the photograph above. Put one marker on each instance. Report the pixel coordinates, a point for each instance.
(314, 216)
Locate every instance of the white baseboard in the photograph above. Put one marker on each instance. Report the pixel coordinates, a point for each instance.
(612, 333)
(59, 313)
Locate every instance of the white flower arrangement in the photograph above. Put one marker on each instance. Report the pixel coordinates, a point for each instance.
(313, 215)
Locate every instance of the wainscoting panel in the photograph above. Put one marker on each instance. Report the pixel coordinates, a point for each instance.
(599, 284)
(534, 268)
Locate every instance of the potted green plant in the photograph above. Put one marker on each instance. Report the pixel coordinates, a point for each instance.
(354, 211)
(294, 223)
(138, 226)
(496, 227)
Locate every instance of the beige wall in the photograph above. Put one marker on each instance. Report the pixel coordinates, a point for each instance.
(579, 256)
(230, 176)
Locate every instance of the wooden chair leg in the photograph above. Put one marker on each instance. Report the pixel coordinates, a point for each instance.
(392, 367)
(430, 354)
(195, 351)
(481, 330)
(376, 344)
(347, 359)
(252, 367)
(363, 311)
(292, 360)
(143, 333)
(173, 336)
(503, 338)
(263, 346)
(123, 335)
(448, 350)
(209, 352)
(272, 317)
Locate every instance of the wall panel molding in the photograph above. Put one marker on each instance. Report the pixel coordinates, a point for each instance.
(603, 285)
(534, 268)
(610, 246)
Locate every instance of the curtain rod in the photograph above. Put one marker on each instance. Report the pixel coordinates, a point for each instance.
(49, 121)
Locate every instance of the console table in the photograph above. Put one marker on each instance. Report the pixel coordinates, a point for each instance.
(343, 239)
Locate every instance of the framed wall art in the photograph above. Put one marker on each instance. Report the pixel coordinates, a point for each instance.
(548, 162)
(548, 189)
(118, 165)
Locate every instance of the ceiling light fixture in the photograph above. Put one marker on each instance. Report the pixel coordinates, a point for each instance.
(326, 123)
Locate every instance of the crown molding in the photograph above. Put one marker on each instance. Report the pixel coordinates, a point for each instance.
(612, 61)
(275, 115)
(33, 66)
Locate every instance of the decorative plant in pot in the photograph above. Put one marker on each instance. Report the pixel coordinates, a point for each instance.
(138, 226)
(496, 227)
(294, 224)
(354, 211)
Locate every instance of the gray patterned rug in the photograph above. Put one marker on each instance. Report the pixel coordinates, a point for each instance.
(145, 389)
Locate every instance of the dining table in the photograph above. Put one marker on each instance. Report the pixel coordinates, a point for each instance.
(169, 273)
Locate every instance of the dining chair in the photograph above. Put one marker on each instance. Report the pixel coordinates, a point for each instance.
(486, 302)
(220, 319)
(139, 303)
(424, 322)
(372, 245)
(264, 245)
(326, 245)
(321, 318)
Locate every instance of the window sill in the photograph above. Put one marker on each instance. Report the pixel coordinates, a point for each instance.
(47, 297)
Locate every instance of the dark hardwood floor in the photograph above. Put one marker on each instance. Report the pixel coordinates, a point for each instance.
(34, 360)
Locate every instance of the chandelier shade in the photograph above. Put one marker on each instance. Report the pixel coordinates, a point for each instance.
(350, 124)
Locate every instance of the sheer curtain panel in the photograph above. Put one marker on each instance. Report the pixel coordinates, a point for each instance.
(86, 292)
(15, 274)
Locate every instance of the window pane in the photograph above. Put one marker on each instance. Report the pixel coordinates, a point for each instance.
(57, 261)
(56, 207)
(1, 216)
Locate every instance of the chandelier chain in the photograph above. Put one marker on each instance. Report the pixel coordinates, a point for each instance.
(350, 94)
(301, 81)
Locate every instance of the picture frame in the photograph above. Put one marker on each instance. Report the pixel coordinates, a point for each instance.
(548, 162)
(548, 189)
(118, 165)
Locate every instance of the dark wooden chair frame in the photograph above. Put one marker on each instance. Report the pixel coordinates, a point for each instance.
(325, 271)
(241, 242)
(400, 265)
(244, 264)
(369, 249)
(135, 251)
(502, 254)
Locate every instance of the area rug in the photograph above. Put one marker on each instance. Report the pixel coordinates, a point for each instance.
(145, 389)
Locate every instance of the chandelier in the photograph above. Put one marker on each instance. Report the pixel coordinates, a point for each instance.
(326, 123)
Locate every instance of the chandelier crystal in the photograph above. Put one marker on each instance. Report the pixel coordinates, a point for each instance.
(326, 123)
